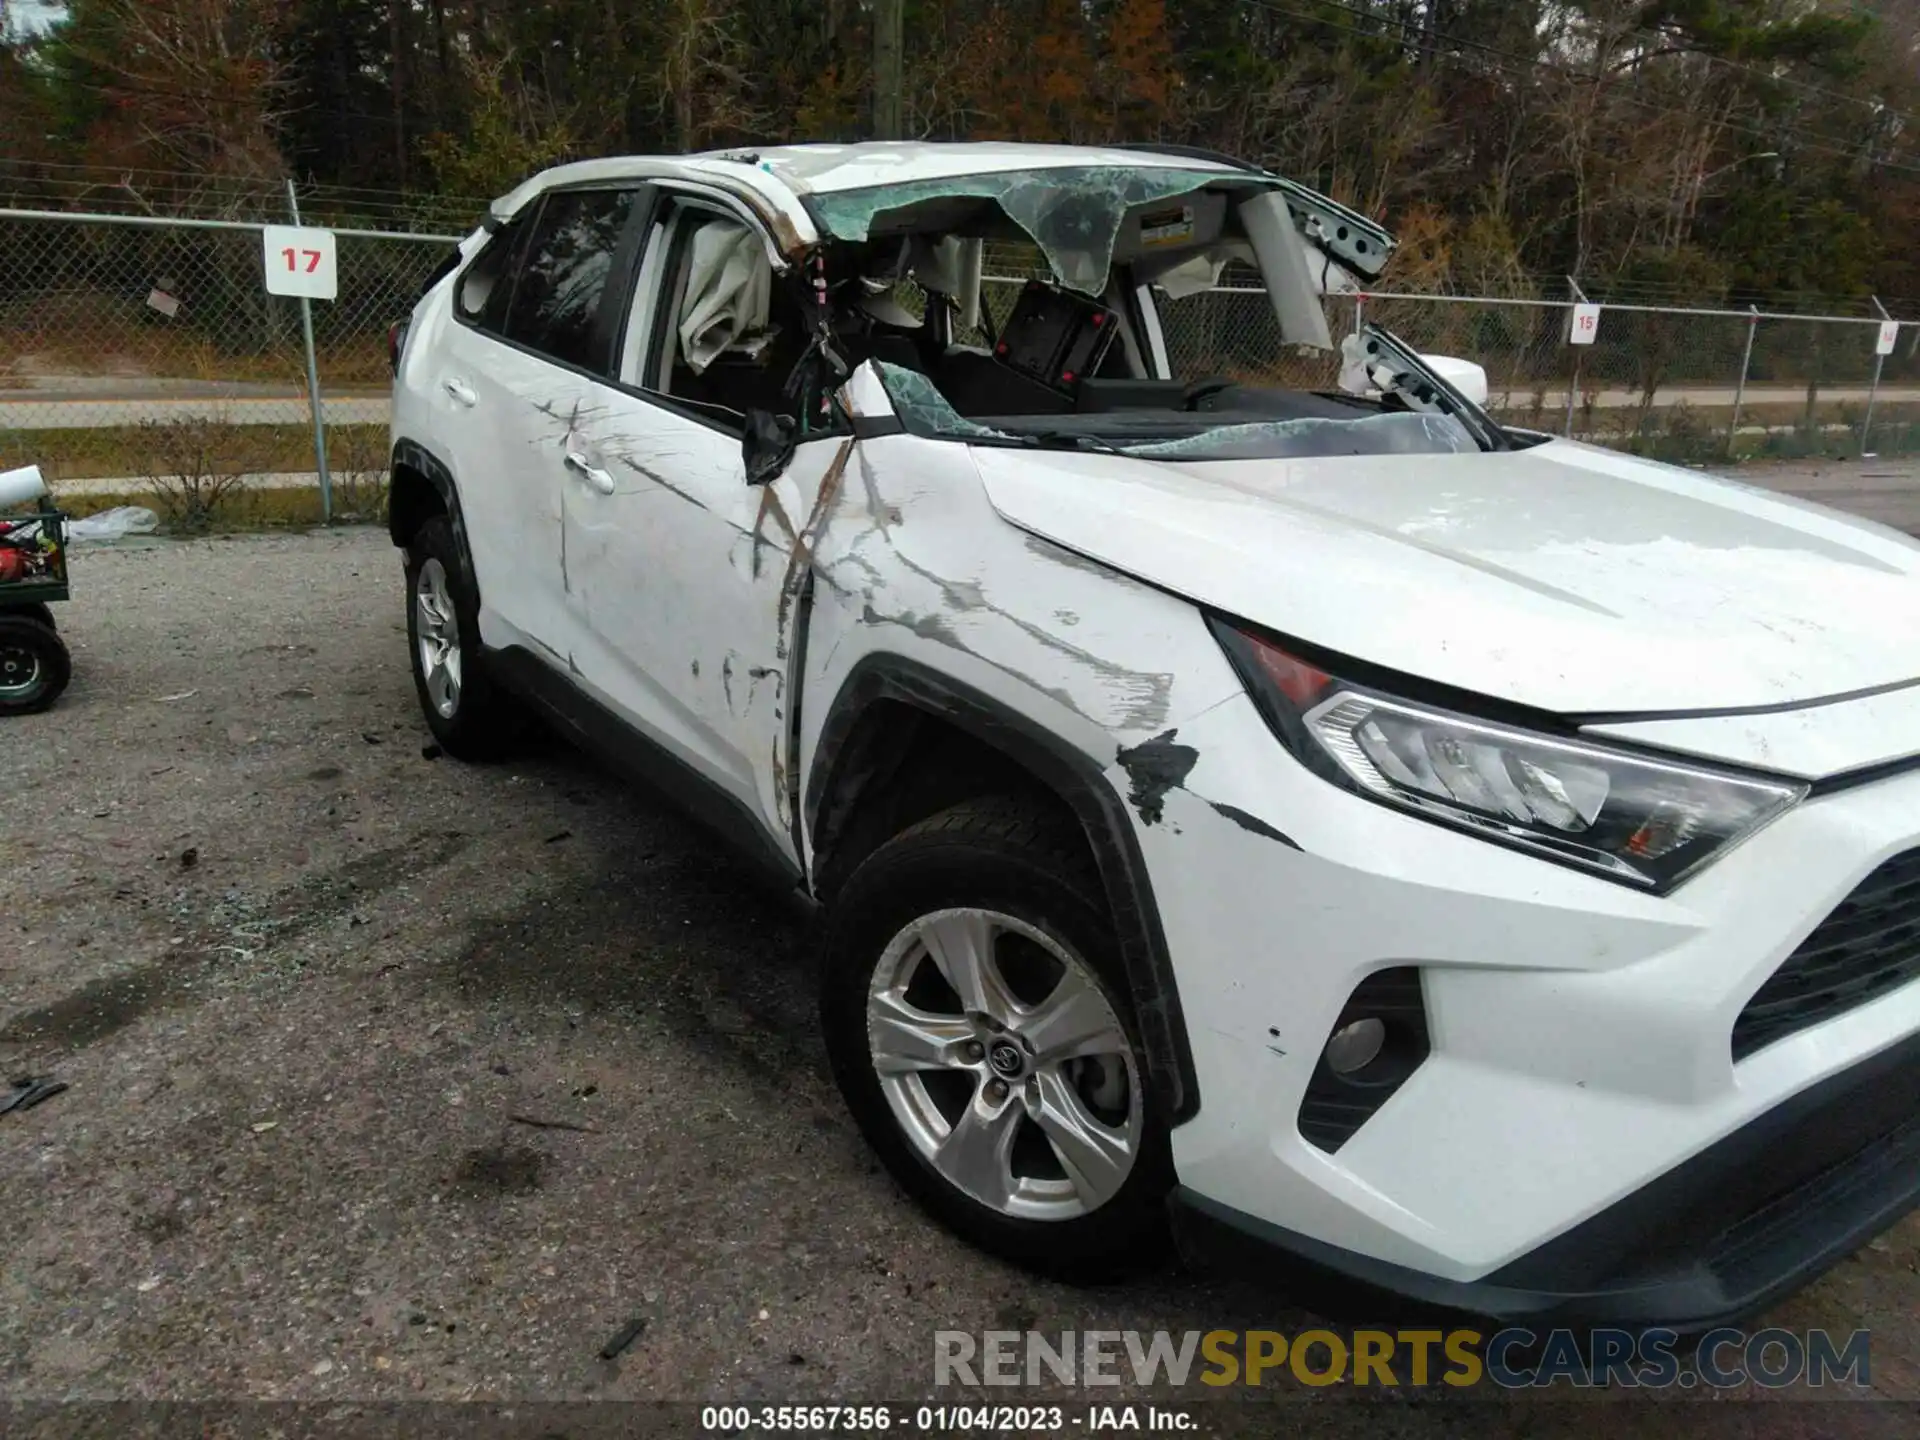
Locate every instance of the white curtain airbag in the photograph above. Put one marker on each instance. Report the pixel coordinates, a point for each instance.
(729, 292)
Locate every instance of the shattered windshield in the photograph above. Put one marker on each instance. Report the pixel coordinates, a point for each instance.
(1188, 315)
(1290, 439)
(925, 411)
(1072, 213)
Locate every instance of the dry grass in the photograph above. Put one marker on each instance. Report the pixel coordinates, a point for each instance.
(96, 335)
(117, 452)
(197, 466)
(358, 457)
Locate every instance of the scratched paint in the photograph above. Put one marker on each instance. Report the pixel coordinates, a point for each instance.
(915, 578)
(658, 479)
(1253, 824)
(800, 556)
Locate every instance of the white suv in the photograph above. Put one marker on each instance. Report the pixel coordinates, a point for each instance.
(1463, 866)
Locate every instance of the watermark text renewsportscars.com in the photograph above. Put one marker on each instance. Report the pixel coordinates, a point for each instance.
(1513, 1358)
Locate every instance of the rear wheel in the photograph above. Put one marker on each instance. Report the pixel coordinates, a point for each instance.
(34, 665)
(979, 1028)
(471, 716)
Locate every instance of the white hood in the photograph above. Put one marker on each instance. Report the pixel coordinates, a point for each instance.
(1563, 577)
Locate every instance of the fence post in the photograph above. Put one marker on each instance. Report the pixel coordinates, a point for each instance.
(313, 385)
(1359, 311)
(1579, 352)
(1873, 391)
(1740, 390)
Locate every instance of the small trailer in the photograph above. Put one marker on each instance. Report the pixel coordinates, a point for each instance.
(34, 663)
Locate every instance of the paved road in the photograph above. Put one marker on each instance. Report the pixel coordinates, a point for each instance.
(251, 405)
(73, 405)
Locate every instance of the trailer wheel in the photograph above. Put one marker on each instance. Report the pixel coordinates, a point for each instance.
(34, 665)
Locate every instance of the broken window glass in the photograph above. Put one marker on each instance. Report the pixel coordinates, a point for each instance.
(925, 411)
(1298, 439)
(1073, 213)
(922, 408)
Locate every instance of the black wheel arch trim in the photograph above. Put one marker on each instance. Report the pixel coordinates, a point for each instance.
(1079, 781)
(416, 457)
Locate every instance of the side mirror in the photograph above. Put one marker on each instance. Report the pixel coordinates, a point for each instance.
(1465, 376)
(768, 445)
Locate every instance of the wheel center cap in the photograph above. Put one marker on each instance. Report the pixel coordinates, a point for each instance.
(1005, 1058)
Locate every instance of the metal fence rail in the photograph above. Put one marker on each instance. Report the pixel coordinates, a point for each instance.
(119, 332)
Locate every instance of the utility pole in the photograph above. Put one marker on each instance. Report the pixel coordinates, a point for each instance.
(889, 34)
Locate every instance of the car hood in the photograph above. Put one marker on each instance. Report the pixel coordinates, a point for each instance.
(1561, 576)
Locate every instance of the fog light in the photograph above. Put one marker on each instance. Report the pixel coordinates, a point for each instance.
(1375, 1043)
(1356, 1046)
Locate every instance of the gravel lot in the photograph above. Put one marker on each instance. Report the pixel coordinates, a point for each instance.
(302, 979)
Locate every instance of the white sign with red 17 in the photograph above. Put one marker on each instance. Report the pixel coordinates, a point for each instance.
(1889, 337)
(1585, 328)
(301, 262)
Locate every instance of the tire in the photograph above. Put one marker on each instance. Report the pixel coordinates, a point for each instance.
(1004, 878)
(469, 714)
(34, 665)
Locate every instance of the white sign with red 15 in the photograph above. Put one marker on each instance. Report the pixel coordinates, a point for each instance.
(301, 262)
(1889, 337)
(1586, 325)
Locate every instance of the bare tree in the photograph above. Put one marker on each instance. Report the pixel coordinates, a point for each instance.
(198, 87)
(703, 77)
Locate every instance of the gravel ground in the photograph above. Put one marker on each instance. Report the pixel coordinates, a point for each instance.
(308, 985)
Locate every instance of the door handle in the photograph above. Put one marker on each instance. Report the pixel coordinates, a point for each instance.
(599, 479)
(463, 392)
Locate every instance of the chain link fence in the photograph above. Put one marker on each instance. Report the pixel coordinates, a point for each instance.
(142, 355)
(134, 349)
(1687, 385)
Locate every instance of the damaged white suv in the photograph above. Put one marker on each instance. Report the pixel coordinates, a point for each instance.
(1463, 866)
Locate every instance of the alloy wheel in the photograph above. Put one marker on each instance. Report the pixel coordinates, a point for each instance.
(438, 633)
(1005, 1064)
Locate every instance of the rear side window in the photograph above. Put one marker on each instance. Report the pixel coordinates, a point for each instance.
(564, 276)
(484, 290)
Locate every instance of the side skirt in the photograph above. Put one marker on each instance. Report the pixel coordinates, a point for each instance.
(591, 725)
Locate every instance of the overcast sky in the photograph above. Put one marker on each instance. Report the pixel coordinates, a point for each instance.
(33, 14)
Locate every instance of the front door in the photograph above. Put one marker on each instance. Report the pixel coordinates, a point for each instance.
(685, 597)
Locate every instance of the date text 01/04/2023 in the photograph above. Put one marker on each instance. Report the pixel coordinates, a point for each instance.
(935, 1419)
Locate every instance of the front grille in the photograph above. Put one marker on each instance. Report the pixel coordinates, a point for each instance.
(1839, 1159)
(1867, 948)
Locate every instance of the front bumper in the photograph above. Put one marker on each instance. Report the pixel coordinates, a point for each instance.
(1711, 1242)
(1581, 1138)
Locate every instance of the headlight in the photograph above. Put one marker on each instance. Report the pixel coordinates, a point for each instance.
(1640, 820)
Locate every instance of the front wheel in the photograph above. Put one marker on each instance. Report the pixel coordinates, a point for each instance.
(34, 665)
(979, 1029)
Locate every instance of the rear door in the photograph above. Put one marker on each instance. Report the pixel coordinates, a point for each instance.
(517, 372)
(471, 426)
